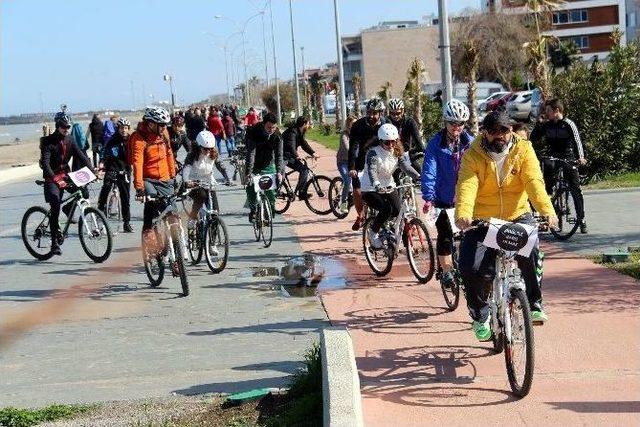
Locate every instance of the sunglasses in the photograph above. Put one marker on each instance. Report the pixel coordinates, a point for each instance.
(65, 127)
(456, 124)
(387, 142)
(499, 131)
(395, 113)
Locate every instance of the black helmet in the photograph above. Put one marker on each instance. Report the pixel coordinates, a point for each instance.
(62, 119)
(375, 104)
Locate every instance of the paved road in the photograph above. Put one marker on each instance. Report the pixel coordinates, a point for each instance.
(420, 365)
(125, 340)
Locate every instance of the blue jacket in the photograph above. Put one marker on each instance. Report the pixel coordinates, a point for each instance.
(108, 131)
(440, 170)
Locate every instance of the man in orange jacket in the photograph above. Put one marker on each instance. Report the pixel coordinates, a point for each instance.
(154, 167)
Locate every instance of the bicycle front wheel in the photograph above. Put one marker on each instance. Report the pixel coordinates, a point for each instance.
(420, 253)
(380, 260)
(95, 235)
(153, 265)
(113, 206)
(284, 197)
(564, 203)
(194, 243)
(317, 190)
(267, 223)
(216, 247)
(335, 195)
(257, 222)
(36, 235)
(519, 348)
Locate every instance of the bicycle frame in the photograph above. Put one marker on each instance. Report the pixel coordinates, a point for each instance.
(162, 224)
(78, 201)
(407, 212)
(507, 279)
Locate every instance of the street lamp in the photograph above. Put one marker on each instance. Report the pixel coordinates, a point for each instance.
(445, 49)
(168, 78)
(343, 101)
(295, 67)
(275, 67)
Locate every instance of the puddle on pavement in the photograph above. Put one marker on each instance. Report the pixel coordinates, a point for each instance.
(301, 277)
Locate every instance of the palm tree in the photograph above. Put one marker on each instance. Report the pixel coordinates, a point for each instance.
(414, 89)
(385, 92)
(317, 87)
(356, 81)
(338, 106)
(469, 65)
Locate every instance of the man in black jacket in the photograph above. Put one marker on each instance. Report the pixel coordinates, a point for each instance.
(561, 140)
(118, 172)
(363, 135)
(56, 150)
(195, 124)
(409, 133)
(95, 129)
(264, 156)
(292, 138)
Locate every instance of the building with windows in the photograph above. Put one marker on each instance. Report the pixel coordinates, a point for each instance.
(384, 52)
(633, 16)
(589, 24)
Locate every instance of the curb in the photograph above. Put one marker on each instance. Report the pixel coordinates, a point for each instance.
(612, 190)
(340, 382)
(21, 172)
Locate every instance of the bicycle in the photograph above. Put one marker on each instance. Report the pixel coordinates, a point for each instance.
(113, 209)
(451, 294)
(408, 227)
(210, 236)
(511, 324)
(237, 160)
(262, 214)
(316, 188)
(564, 202)
(93, 229)
(170, 244)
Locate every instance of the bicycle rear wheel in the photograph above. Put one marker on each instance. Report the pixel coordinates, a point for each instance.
(420, 253)
(380, 260)
(335, 195)
(267, 223)
(216, 247)
(318, 200)
(564, 203)
(35, 232)
(113, 206)
(519, 348)
(284, 197)
(95, 235)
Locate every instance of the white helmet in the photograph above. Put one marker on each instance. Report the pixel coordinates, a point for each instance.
(205, 139)
(396, 104)
(388, 132)
(455, 111)
(156, 115)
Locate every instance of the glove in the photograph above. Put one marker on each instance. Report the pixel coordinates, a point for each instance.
(140, 193)
(427, 206)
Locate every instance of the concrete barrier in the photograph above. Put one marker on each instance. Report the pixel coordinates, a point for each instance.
(21, 172)
(340, 381)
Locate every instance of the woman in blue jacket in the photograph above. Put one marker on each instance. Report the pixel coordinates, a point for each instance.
(440, 174)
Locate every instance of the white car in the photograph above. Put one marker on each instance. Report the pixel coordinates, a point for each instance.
(519, 105)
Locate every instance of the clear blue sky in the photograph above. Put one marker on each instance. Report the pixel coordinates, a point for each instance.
(86, 53)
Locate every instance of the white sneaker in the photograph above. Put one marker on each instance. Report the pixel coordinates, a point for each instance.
(344, 207)
(374, 240)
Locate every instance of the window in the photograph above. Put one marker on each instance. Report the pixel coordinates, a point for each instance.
(570, 17)
(581, 42)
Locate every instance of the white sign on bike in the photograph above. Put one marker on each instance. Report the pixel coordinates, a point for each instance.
(264, 182)
(82, 177)
(451, 213)
(512, 237)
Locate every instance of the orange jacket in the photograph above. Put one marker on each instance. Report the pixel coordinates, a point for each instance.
(151, 156)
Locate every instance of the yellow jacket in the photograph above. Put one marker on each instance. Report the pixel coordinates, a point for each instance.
(479, 195)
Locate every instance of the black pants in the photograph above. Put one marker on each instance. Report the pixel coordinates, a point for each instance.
(477, 266)
(53, 195)
(155, 188)
(124, 187)
(303, 172)
(200, 196)
(387, 205)
(571, 175)
(96, 154)
(444, 242)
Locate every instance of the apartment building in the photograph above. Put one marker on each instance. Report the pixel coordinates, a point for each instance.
(589, 24)
(384, 52)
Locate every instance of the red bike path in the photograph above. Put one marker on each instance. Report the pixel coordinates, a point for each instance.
(421, 365)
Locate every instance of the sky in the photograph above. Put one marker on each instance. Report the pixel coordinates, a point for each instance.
(113, 54)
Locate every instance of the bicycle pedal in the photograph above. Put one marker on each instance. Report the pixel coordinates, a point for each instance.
(537, 323)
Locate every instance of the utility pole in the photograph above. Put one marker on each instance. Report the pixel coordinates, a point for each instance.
(343, 100)
(445, 50)
(275, 67)
(295, 67)
(264, 45)
(304, 77)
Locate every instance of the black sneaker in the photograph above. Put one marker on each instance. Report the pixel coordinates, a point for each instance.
(56, 250)
(127, 228)
(583, 227)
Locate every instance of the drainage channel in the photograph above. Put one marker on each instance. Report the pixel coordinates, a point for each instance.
(302, 277)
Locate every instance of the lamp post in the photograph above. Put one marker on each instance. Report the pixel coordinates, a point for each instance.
(445, 49)
(304, 78)
(264, 46)
(168, 78)
(275, 68)
(295, 67)
(343, 101)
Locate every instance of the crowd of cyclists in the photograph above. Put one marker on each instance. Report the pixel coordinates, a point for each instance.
(495, 173)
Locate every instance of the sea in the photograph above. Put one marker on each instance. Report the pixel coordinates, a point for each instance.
(26, 132)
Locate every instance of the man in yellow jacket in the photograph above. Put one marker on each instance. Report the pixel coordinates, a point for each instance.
(498, 175)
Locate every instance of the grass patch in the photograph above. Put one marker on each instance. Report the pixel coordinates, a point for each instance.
(622, 180)
(14, 417)
(317, 134)
(630, 268)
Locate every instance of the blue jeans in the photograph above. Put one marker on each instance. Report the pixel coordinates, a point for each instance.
(343, 168)
(219, 144)
(231, 144)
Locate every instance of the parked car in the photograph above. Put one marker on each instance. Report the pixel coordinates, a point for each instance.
(482, 104)
(519, 105)
(536, 103)
(499, 103)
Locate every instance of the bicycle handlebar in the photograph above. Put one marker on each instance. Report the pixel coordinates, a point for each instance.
(557, 159)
